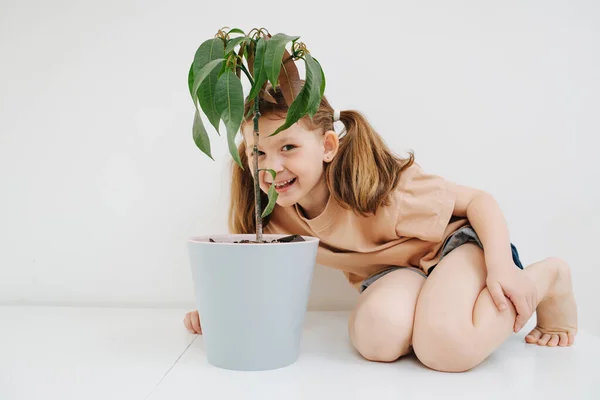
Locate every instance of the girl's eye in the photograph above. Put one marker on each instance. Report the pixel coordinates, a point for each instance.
(261, 153)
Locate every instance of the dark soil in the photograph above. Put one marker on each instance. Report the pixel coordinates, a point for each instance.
(286, 239)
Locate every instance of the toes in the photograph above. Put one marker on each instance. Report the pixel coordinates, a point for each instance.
(544, 340)
(553, 341)
(533, 336)
(564, 339)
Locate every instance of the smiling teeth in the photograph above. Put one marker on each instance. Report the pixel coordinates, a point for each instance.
(283, 183)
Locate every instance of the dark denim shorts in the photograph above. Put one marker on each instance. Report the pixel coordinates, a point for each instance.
(463, 235)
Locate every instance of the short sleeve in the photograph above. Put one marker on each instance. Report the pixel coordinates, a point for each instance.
(425, 205)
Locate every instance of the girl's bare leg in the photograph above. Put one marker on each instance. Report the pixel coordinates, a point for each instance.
(457, 324)
(381, 324)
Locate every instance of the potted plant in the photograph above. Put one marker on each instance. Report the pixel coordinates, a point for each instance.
(251, 294)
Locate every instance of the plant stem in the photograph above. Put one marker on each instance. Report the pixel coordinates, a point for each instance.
(243, 68)
(256, 178)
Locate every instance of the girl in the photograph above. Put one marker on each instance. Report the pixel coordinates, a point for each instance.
(412, 243)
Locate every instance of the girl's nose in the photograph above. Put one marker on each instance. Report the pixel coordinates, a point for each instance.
(275, 163)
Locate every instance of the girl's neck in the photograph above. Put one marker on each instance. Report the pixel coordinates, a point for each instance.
(315, 202)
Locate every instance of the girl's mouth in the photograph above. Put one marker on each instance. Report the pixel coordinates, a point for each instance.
(283, 188)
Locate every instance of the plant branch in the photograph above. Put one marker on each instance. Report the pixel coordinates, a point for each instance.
(257, 212)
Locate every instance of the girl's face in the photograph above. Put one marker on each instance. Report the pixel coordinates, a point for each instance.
(297, 154)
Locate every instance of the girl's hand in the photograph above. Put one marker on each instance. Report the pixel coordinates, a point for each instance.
(510, 281)
(192, 322)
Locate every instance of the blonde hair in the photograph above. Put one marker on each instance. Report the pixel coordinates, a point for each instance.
(360, 177)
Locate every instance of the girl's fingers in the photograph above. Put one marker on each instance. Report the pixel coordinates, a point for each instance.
(195, 321)
(187, 323)
(497, 295)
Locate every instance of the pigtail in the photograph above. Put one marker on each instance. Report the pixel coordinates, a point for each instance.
(364, 172)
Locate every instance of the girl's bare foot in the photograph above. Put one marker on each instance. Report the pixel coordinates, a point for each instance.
(556, 313)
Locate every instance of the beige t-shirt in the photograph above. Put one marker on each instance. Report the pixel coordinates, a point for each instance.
(410, 231)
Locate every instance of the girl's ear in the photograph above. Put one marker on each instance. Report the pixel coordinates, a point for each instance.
(331, 144)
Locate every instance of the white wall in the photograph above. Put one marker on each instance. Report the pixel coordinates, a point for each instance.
(102, 184)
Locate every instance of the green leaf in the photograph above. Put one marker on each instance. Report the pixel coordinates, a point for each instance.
(229, 102)
(305, 99)
(272, 195)
(191, 77)
(250, 53)
(200, 136)
(260, 73)
(296, 111)
(274, 55)
(234, 42)
(236, 30)
(211, 49)
(206, 95)
(322, 77)
(202, 74)
(314, 70)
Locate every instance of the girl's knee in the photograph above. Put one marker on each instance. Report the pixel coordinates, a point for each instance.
(558, 261)
(381, 332)
(443, 350)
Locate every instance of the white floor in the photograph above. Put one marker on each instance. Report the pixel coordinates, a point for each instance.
(102, 353)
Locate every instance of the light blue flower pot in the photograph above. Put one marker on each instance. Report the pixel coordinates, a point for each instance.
(252, 298)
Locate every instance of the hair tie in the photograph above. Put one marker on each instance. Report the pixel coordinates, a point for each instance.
(341, 128)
